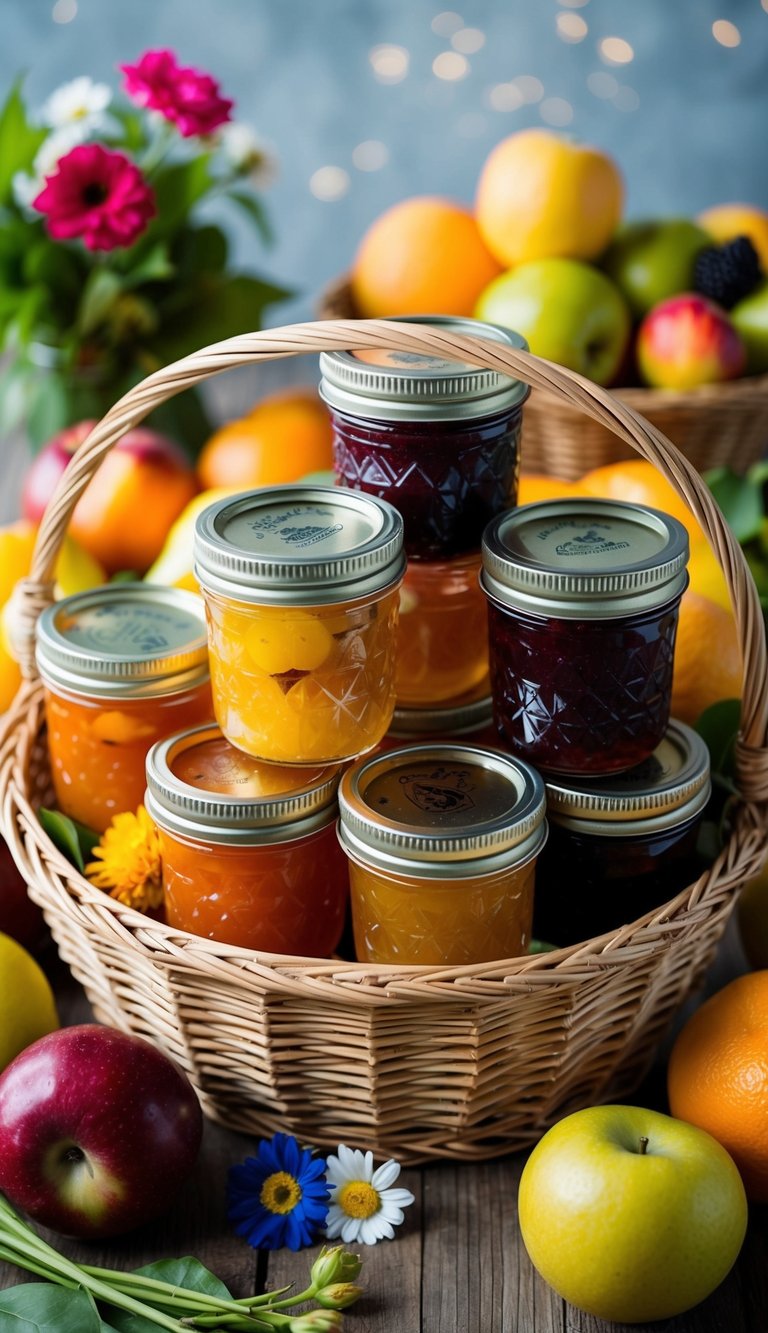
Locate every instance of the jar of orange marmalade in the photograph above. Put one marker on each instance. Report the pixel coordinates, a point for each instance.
(301, 585)
(122, 666)
(250, 854)
(442, 842)
(442, 645)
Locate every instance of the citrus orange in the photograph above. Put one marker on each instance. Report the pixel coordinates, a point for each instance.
(533, 487)
(541, 195)
(718, 1075)
(707, 657)
(639, 482)
(706, 575)
(285, 436)
(725, 221)
(424, 256)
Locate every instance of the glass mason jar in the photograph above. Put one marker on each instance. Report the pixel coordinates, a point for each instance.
(583, 605)
(301, 587)
(439, 439)
(442, 842)
(468, 719)
(619, 847)
(442, 641)
(250, 853)
(122, 666)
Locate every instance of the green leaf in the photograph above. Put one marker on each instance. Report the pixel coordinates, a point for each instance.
(19, 141)
(49, 408)
(188, 1273)
(177, 189)
(200, 251)
(41, 1307)
(219, 309)
(254, 209)
(740, 499)
(719, 726)
(73, 839)
(101, 290)
(154, 266)
(542, 946)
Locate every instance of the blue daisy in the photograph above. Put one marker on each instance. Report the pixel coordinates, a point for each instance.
(280, 1196)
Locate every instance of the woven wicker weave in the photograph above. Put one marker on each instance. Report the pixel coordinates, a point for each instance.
(714, 426)
(462, 1062)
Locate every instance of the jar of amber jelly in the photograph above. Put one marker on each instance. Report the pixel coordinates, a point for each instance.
(250, 854)
(583, 605)
(439, 439)
(122, 666)
(301, 585)
(621, 846)
(442, 842)
(442, 641)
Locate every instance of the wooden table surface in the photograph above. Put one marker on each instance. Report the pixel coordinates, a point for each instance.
(458, 1264)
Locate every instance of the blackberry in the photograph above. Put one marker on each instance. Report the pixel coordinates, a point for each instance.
(727, 273)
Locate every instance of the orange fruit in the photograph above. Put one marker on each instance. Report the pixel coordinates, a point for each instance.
(707, 657)
(639, 482)
(541, 196)
(424, 256)
(533, 487)
(718, 1075)
(285, 436)
(725, 221)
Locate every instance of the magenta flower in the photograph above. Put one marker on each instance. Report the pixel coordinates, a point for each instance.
(96, 194)
(187, 97)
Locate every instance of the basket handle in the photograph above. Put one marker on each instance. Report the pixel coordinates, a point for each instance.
(36, 592)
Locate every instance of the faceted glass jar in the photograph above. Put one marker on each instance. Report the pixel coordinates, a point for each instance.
(301, 588)
(442, 842)
(122, 667)
(442, 643)
(250, 853)
(438, 438)
(583, 608)
(467, 720)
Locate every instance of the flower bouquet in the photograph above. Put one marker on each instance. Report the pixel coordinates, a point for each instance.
(107, 271)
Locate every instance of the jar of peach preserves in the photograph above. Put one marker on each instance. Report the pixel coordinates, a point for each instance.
(442, 842)
(301, 585)
(122, 666)
(250, 854)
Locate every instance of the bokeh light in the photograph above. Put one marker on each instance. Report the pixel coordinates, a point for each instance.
(556, 111)
(329, 183)
(468, 41)
(726, 33)
(370, 155)
(626, 98)
(601, 84)
(616, 51)
(505, 97)
(447, 23)
(451, 66)
(389, 63)
(64, 11)
(531, 88)
(571, 27)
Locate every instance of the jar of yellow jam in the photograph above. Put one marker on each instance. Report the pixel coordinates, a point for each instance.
(442, 647)
(122, 666)
(250, 853)
(301, 585)
(442, 842)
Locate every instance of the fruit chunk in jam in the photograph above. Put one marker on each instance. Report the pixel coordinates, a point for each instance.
(303, 684)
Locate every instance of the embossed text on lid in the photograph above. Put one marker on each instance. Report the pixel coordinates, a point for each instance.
(299, 544)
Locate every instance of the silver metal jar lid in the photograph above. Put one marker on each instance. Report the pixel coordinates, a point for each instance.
(410, 386)
(124, 640)
(583, 558)
(469, 713)
(442, 811)
(201, 787)
(299, 545)
(666, 790)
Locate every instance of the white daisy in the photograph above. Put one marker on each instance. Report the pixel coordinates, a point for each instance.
(364, 1207)
(81, 102)
(26, 188)
(247, 154)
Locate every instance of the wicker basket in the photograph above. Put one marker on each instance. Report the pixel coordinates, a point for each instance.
(461, 1062)
(715, 426)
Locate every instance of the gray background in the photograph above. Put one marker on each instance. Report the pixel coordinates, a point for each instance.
(686, 116)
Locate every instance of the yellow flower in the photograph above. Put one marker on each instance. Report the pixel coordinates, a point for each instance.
(128, 864)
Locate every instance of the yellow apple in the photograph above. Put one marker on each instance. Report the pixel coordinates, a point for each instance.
(629, 1214)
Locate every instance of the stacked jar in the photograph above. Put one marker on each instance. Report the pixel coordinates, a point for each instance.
(440, 441)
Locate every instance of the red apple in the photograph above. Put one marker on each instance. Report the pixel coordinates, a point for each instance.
(19, 916)
(123, 516)
(686, 341)
(98, 1130)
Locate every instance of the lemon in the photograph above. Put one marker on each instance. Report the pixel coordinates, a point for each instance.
(173, 566)
(27, 1008)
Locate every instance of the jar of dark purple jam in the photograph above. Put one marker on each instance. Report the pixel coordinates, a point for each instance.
(620, 847)
(438, 439)
(583, 606)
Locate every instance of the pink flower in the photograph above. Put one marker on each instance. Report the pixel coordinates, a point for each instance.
(98, 195)
(187, 97)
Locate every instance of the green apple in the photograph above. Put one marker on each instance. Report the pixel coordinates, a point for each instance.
(629, 1214)
(750, 320)
(650, 261)
(568, 311)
